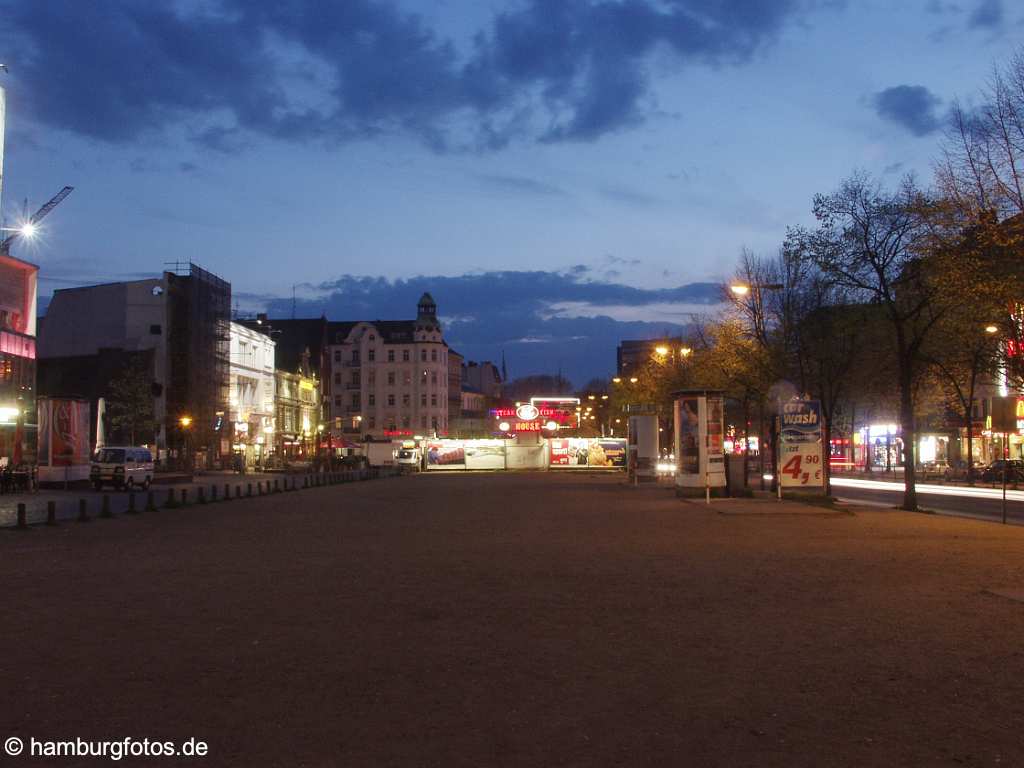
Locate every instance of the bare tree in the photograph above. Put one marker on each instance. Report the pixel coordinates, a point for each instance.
(870, 242)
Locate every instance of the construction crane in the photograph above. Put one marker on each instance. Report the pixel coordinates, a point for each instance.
(5, 245)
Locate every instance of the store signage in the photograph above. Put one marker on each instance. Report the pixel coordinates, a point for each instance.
(800, 451)
(527, 426)
(545, 414)
(527, 412)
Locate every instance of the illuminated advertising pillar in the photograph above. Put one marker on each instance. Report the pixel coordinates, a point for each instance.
(643, 443)
(699, 435)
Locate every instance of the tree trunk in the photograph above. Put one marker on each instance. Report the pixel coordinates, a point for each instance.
(970, 445)
(909, 442)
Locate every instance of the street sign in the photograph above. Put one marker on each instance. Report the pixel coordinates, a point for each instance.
(800, 456)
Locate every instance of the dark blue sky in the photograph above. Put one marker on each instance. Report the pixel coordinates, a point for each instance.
(565, 167)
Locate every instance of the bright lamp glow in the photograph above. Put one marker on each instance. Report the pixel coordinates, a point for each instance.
(616, 380)
(8, 414)
(551, 426)
(185, 421)
(28, 229)
(740, 290)
(685, 351)
(991, 329)
(633, 380)
(504, 426)
(661, 350)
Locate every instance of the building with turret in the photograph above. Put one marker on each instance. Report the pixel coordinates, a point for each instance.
(388, 378)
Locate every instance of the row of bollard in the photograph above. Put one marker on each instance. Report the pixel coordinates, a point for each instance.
(174, 501)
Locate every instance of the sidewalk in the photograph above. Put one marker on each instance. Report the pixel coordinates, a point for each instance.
(769, 505)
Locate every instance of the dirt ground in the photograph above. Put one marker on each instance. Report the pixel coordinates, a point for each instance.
(518, 620)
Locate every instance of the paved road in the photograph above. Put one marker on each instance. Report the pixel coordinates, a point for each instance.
(981, 502)
(520, 620)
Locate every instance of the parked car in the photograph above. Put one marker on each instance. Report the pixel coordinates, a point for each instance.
(122, 467)
(408, 457)
(993, 473)
(934, 470)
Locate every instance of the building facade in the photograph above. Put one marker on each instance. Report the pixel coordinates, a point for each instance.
(17, 360)
(298, 428)
(388, 378)
(252, 399)
(181, 320)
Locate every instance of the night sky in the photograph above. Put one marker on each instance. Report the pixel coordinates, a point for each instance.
(559, 175)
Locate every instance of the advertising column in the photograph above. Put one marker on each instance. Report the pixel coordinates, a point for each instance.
(699, 431)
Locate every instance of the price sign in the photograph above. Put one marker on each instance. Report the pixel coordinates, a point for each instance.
(800, 453)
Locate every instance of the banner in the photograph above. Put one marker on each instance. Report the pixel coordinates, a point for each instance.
(688, 427)
(447, 454)
(800, 448)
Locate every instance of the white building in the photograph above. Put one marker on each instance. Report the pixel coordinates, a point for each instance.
(388, 378)
(252, 392)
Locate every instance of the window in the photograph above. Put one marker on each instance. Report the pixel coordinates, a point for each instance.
(391, 355)
(405, 400)
(405, 355)
(371, 378)
(405, 422)
(433, 399)
(433, 422)
(373, 422)
(337, 401)
(423, 355)
(391, 399)
(433, 355)
(423, 400)
(371, 354)
(156, 330)
(433, 377)
(423, 421)
(355, 355)
(355, 399)
(391, 378)
(406, 378)
(337, 379)
(371, 399)
(355, 378)
(337, 355)
(372, 337)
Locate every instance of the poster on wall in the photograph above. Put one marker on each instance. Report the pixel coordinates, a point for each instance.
(43, 446)
(527, 456)
(800, 450)
(485, 454)
(688, 455)
(446, 454)
(607, 452)
(569, 451)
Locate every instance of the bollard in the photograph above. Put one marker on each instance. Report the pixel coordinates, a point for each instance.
(150, 502)
(105, 506)
(213, 493)
(305, 481)
(51, 513)
(184, 497)
(259, 488)
(277, 488)
(227, 492)
(131, 503)
(83, 516)
(248, 489)
(171, 502)
(201, 494)
(238, 491)
(22, 516)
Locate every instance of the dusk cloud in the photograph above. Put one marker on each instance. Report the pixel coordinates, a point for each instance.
(987, 15)
(540, 320)
(553, 71)
(913, 107)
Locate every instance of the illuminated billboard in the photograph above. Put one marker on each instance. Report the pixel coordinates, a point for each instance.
(17, 295)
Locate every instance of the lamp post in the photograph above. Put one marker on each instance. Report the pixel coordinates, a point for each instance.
(185, 422)
(756, 311)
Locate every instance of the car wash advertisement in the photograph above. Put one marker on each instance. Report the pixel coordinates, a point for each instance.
(800, 449)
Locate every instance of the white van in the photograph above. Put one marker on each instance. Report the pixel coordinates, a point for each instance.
(121, 467)
(408, 457)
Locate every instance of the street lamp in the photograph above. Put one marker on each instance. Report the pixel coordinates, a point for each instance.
(633, 379)
(661, 349)
(616, 380)
(740, 289)
(185, 421)
(991, 329)
(685, 351)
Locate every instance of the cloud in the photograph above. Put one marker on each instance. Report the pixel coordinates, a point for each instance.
(573, 70)
(988, 14)
(541, 319)
(913, 107)
(521, 185)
